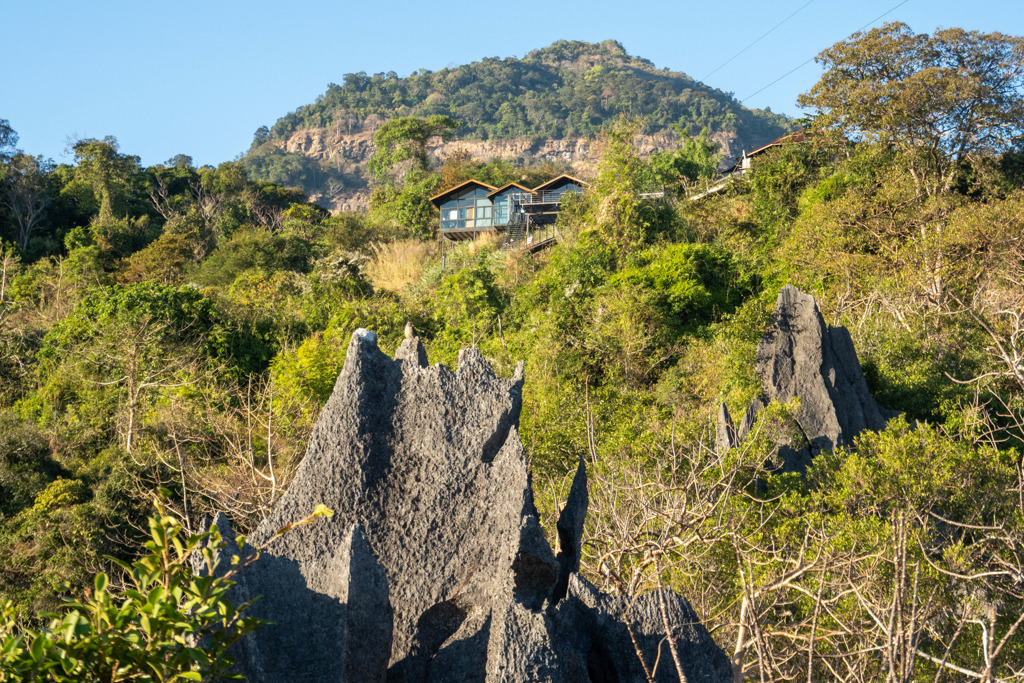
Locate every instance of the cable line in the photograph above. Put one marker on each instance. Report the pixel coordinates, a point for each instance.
(757, 41)
(812, 58)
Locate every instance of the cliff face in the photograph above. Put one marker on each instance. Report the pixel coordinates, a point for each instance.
(351, 151)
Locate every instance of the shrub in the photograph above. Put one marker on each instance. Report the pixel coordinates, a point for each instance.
(61, 493)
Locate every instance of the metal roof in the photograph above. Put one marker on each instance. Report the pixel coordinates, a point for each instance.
(508, 185)
(459, 187)
(798, 136)
(540, 188)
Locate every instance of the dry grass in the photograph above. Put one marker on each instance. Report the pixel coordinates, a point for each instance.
(395, 265)
(472, 248)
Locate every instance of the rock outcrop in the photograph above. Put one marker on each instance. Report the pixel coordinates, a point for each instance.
(350, 150)
(434, 566)
(801, 356)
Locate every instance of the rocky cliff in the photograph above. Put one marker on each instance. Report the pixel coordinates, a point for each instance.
(349, 152)
(434, 566)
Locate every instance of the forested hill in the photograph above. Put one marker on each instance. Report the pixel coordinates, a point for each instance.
(566, 89)
(569, 90)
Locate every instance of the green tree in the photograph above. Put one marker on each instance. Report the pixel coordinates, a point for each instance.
(620, 212)
(139, 339)
(941, 99)
(109, 174)
(26, 195)
(8, 139)
(406, 138)
(696, 160)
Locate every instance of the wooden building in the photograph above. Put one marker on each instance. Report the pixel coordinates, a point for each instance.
(475, 207)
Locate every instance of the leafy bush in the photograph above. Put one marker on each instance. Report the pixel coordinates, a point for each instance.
(256, 249)
(170, 625)
(692, 282)
(61, 493)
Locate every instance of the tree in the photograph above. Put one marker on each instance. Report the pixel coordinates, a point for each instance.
(406, 138)
(696, 160)
(26, 195)
(941, 99)
(109, 173)
(8, 139)
(620, 212)
(140, 339)
(179, 161)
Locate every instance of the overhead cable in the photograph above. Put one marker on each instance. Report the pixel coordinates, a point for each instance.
(812, 58)
(756, 41)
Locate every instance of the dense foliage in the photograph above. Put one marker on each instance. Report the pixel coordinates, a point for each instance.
(568, 88)
(181, 328)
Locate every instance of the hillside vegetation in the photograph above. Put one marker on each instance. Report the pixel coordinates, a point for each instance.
(180, 328)
(569, 89)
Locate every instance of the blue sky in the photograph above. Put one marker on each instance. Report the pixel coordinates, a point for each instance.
(199, 78)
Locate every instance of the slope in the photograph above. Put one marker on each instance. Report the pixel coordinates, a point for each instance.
(541, 107)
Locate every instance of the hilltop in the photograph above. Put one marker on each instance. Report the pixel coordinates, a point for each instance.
(545, 106)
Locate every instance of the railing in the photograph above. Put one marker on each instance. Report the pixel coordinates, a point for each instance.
(539, 197)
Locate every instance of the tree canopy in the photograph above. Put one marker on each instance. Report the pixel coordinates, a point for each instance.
(404, 139)
(943, 98)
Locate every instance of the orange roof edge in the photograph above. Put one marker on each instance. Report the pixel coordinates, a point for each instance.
(564, 175)
(461, 185)
(507, 185)
(795, 136)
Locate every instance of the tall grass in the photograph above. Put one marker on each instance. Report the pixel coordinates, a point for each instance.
(396, 265)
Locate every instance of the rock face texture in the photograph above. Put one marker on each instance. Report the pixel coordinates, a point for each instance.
(349, 149)
(799, 355)
(434, 566)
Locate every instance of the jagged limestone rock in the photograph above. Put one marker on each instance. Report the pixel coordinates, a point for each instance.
(570, 530)
(801, 356)
(592, 637)
(725, 433)
(750, 417)
(434, 566)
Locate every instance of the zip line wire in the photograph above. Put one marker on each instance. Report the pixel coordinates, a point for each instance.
(812, 58)
(757, 41)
